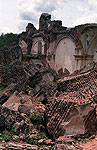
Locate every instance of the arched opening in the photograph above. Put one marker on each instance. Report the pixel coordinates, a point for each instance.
(39, 47)
(64, 55)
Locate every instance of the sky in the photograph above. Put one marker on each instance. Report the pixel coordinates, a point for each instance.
(16, 14)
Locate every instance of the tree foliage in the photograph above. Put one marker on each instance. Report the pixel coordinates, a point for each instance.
(7, 39)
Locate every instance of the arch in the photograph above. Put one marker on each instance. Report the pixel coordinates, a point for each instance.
(37, 46)
(92, 50)
(93, 43)
(23, 46)
(64, 55)
(39, 65)
(58, 41)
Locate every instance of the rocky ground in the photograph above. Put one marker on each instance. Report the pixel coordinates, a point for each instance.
(88, 144)
(62, 143)
(39, 110)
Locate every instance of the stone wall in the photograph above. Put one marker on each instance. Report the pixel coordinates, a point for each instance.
(65, 49)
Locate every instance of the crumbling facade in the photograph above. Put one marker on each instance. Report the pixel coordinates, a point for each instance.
(72, 110)
(49, 83)
(64, 49)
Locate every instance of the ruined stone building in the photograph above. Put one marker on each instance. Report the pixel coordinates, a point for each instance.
(65, 49)
(52, 72)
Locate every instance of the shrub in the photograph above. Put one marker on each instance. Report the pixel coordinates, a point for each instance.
(6, 136)
(3, 87)
(37, 119)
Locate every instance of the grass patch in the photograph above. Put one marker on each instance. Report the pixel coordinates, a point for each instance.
(28, 119)
(43, 135)
(3, 87)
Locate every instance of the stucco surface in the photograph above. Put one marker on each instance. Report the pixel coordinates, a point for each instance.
(65, 55)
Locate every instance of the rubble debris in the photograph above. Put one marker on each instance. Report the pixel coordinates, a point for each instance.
(67, 119)
(44, 93)
(28, 74)
(8, 118)
(6, 93)
(65, 112)
(64, 146)
(10, 54)
(20, 146)
(64, 140)
(81, 88)
(24, 104)
(13, 73)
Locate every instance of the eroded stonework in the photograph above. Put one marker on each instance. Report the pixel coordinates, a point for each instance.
(65, 49)
(48, 86)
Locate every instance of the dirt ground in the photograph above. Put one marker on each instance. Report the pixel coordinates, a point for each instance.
(88, 144)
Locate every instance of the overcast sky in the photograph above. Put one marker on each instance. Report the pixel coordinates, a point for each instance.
(15, 14)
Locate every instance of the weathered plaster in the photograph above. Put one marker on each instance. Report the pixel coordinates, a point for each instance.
(64, 55)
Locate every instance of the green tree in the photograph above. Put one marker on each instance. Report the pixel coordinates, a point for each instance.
(7, 39)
